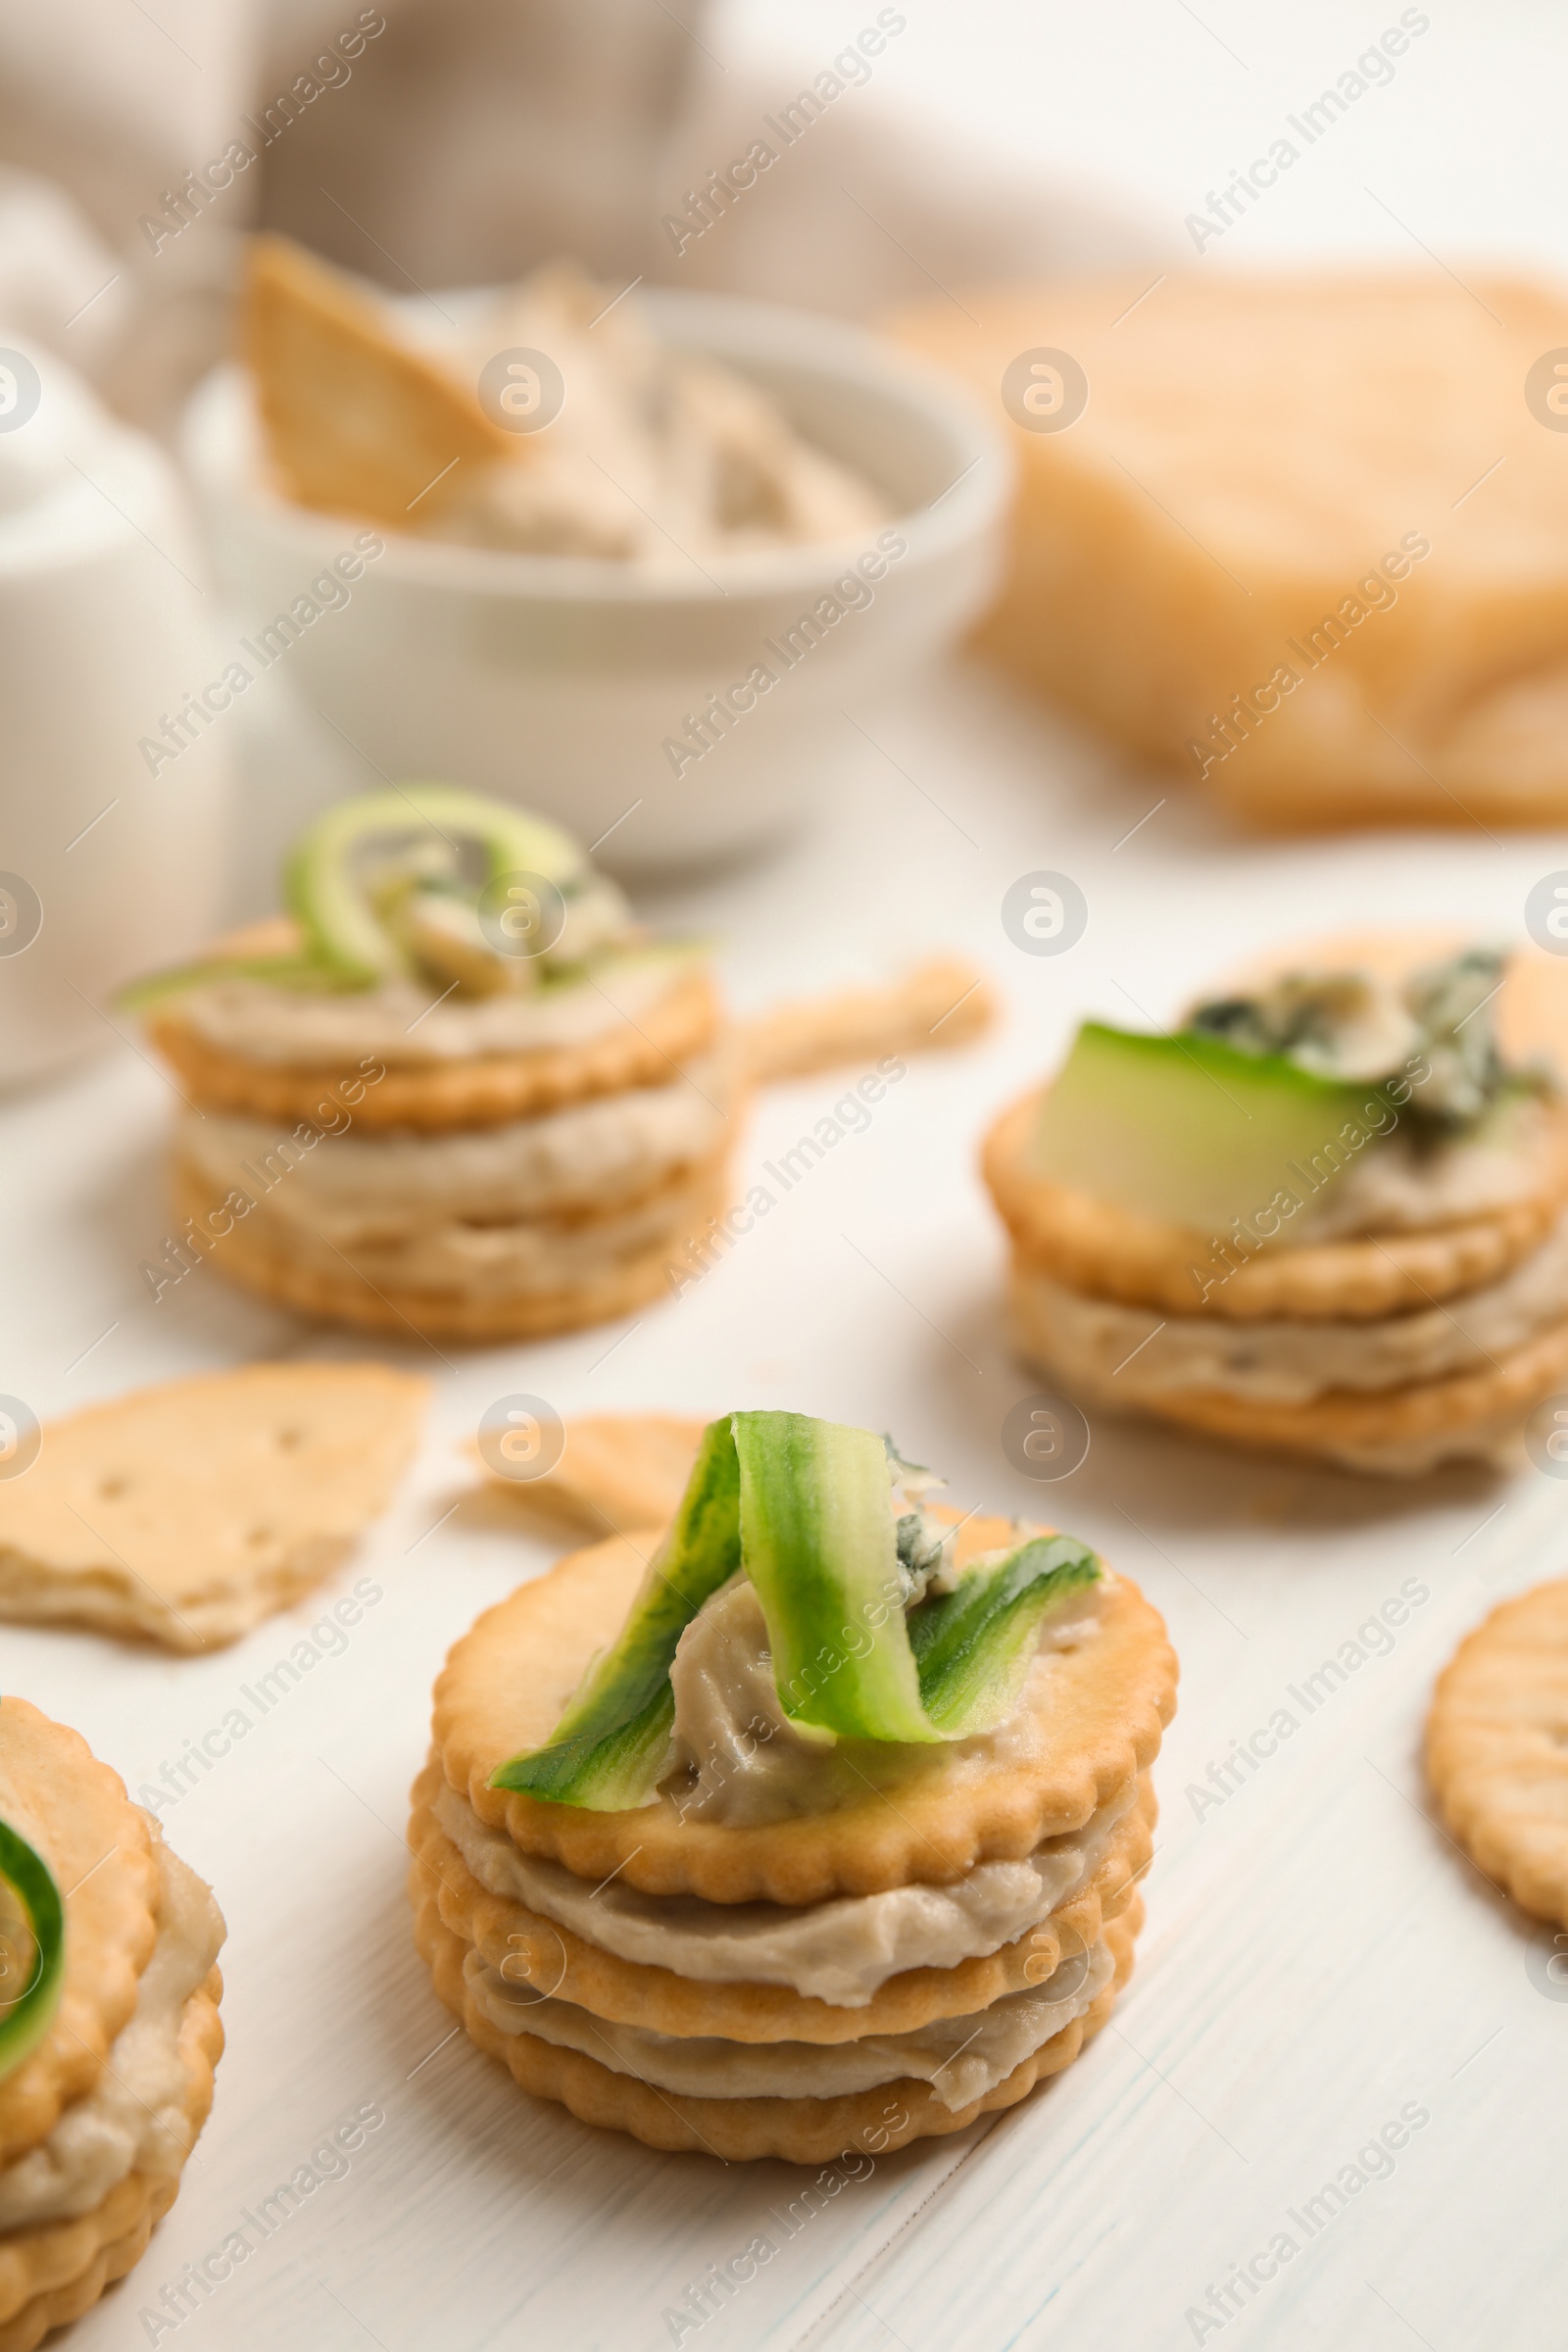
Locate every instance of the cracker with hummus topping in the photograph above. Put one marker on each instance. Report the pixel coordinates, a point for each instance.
(506, 1682)
(842, 1833)
(438, 1097)
(1115, 1251)
(121, 1953)
(460, 1094)
(741, 2130)
(54, 2272)
(55, 1792)
(1327, 1214)
(1496, 1747)
(186, 1513)
(358, 421)
(459, 1091)
(537, 1954)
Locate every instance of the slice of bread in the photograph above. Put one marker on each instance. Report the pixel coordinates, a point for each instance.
(1306, 541)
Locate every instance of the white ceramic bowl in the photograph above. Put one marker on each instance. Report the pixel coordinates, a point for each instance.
(556, 680)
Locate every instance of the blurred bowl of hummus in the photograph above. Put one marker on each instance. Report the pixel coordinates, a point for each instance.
(680, 534)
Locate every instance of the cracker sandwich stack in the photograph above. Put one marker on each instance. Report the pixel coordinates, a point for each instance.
(836, 1846)
(1325, 1217)
(456, 1090)
(109, 2033)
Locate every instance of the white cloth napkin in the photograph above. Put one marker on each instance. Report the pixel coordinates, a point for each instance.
(440, 142)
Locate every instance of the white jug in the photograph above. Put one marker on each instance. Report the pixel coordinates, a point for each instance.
(111, 859)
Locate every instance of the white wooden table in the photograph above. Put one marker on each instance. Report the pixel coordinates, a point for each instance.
(1318, 1959)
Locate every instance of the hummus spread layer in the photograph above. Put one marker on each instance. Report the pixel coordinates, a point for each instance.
(747, 1762)
(655, 455)
(960, 2057)
(841, 1951)
(384, 1187)
(1407, 1185)
(1097, 1342)
(404, 1022)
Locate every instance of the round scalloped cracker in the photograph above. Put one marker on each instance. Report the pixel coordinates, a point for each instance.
(474, 1090)
(1496, 1747)
(55, 1792)
(73, 2262)
(636, 1993)
(54, 2273)
(1112, 1252)
(1475, 1416)
(507, 1680)
(887, 2116)
(479, 1317)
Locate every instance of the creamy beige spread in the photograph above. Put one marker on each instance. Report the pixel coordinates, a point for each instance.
(405, 1023)
(133, 2118)
(1131, 1353)
(525, 1256)
(353, 1186)
(840, 1950)
(654, 457)
(960, 2057)
(1400, 1184)
(736, 1758)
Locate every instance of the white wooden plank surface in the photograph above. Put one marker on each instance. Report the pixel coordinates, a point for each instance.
(1317, 1954)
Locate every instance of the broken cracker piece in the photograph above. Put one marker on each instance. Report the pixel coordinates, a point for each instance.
(356, 421)
(188, 1512)
(617, 1471)
(942, 1001)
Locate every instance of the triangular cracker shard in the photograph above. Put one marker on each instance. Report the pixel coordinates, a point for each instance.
(356, 421)
(186, 1513)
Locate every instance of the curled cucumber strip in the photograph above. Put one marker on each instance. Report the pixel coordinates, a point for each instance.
(608, 1749)
(332, 905)
(973, 1646)
(819, 1543)
(803, 1508)
(29, 2008)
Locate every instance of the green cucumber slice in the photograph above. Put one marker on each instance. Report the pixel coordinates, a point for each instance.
(336, 912)
(1194, 1131)
(804, 1508)
(818, 1542)
(605, 1751)
(26, 2014)
(973, 1646)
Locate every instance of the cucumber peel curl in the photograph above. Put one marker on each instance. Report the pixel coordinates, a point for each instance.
(26, 2013)
(972, 1647)
(804, 1509)
(616, 1732)
(337, 913)
(350, 935)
